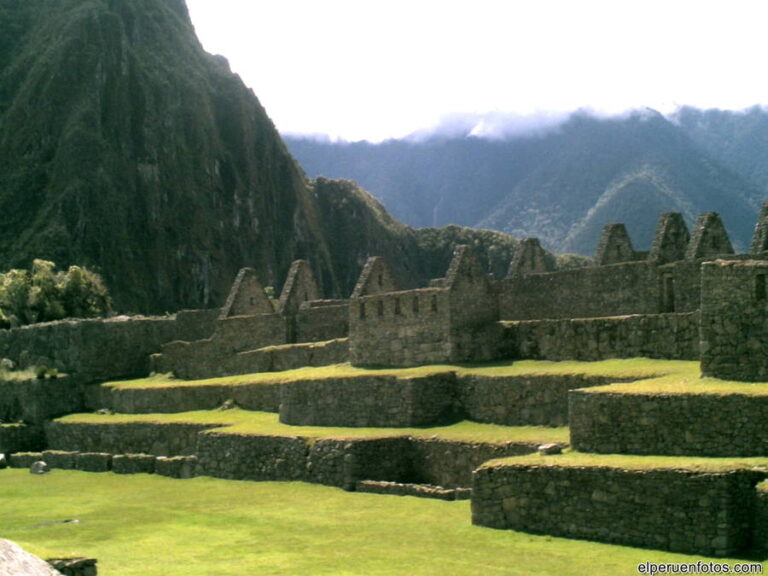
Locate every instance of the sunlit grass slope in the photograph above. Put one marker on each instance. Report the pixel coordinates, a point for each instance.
(147, 525)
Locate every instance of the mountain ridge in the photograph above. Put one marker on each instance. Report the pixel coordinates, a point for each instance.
(548, 184)
(125, 147)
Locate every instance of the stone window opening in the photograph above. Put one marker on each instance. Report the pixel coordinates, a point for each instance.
(253, 300)
(434, 303)
(306, 296)
(398, 311)
(380, 308)
(381, 280)
(362, 311)
(760, 288)
(415, 305)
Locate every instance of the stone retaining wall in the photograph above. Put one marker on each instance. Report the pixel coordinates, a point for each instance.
(450, 463)
(760, 532)
(35, 401)
(242, 457)
(669, 336)
(376, 401)
(21, 438)
(521, 400)
(125, 438)
(259, 397)
(671, 424)
(677, 510)
(331, 461)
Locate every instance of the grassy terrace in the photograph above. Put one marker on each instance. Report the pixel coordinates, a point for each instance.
(685, 379)
(631, 462)
(265, 423)
(621, 369)
(142, 524)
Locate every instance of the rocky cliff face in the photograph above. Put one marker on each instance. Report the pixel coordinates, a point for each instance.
(125, 147)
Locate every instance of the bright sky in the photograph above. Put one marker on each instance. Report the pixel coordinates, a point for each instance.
(359, 69)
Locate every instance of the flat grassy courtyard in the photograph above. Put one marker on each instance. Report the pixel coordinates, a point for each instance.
(151, 525)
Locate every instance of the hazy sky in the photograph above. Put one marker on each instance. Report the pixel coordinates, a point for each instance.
(359, 69)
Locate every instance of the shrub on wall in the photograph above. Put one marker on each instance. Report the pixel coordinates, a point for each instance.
(43, 294)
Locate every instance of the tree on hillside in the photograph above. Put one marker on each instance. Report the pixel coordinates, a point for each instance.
(43, 294)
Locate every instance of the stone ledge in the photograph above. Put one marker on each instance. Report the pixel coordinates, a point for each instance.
(408, 489)
(682, 505)
(669, 424)
(74, 566)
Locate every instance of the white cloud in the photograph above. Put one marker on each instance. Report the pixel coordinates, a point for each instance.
(372, 70)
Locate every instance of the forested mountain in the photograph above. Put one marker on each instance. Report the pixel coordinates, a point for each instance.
(562, 185)
(125, 147)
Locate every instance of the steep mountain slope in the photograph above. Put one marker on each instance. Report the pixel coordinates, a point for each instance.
(738, 140)
(125, 147)
(563, 186)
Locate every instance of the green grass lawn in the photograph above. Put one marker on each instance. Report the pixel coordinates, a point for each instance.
(148, 525)
(266, 423)
(633, 462)
(621, 369)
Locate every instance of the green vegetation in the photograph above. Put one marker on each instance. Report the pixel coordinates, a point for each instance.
(264, 423)
(621, 369)
(43, 294)
(143, 524)
(631, 462)
(685, 378)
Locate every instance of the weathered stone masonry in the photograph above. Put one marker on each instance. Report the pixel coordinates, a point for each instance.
(678, 510)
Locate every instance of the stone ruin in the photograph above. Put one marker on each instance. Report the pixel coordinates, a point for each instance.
(469, 316)
(690, 297)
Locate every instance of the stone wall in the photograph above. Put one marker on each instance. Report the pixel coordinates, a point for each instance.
(671, 336)
(74, 566)
(290, 356)
(617, 289)
(450, 463)
(677, 510)
(373, 401)
(400, 328)
(322, 320)
(215, 356)
(98, 350)
(21, 438)
(672, 424)
(760, 532)
(126, 438)
(521, 400)
(734, 320)
(262, 397)
(37, 400)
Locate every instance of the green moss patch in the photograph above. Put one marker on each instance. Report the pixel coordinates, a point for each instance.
(631, 462)
(621, 369)
(685, 380)
(267, 424)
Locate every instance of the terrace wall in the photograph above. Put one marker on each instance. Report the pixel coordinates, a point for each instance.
(521, 400)
(374, 401)
(125, 438)
(669, 424)
(677, 510)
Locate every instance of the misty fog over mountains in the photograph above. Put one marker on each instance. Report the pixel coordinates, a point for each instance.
(562, 178)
